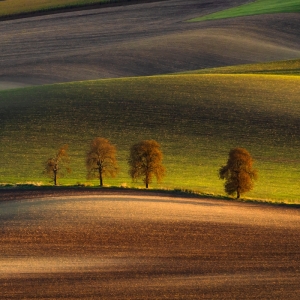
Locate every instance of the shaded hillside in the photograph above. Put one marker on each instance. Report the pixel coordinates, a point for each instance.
(16, 9)
(142, 39)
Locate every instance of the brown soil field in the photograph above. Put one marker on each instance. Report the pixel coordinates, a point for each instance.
(139, 39)
(71, 244)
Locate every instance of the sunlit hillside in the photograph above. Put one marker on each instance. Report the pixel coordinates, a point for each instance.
(257, 7)
(196, 118)
(287, 67)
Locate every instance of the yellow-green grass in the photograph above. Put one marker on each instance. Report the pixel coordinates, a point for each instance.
(17, 7)
(285, 67)
(257, 7)
(196, 118)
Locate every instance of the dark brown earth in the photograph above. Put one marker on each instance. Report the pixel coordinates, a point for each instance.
(106, 245)
(140, 39)
(15, 193)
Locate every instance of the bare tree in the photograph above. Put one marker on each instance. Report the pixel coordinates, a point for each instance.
(101, 159)
(145, 161)
(238, 172)
(55, 166)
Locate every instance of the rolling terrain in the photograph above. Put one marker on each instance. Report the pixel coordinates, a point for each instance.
(197, 119)
(112, 243)
(147, 246)
(212, 113)
(144, 39)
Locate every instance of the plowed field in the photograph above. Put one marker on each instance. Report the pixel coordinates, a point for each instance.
(146, 246)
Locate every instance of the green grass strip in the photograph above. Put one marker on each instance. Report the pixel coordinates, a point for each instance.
(257, 7)
(286, 67)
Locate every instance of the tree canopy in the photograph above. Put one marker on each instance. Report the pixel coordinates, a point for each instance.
(101, 159)
(145, 160)
(238, 172)
(55, 166)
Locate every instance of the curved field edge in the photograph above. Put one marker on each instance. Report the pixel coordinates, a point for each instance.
(257, 7)
(130, 247)
(11, 9)
(25, 192)
(197, 119)
(285, 67)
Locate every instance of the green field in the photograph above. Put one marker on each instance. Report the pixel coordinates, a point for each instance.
(196, 118)
(16, 7)
(257, 7)
(286, 67)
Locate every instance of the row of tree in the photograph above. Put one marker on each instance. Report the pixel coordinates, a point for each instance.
(145, 161)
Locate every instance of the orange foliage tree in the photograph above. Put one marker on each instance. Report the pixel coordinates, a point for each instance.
(145, 160)
(238, 172)
(54, 166)
(101, 160)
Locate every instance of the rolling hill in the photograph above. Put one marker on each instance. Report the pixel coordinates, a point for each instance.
(111, 246)
(212, 112)
(139, 40)
(197, 118)
(69, 77)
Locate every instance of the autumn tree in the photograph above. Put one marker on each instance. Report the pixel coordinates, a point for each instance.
(238, 172)
(55, 167)
(145, 161)
(101, 159)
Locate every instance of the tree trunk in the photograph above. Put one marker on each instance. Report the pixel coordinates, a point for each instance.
(55, 177)
(238, 194)
(100, 177)
(147, 180)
